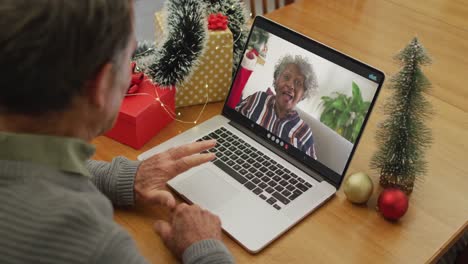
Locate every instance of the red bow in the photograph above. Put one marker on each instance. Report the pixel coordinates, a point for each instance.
(137, 78)
(217, 22)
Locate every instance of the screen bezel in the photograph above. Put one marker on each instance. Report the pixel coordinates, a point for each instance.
(327, 53)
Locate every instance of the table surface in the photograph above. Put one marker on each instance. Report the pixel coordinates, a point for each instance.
(340, 232)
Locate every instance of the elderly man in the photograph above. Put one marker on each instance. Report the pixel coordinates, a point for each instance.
(65, 70)
(294, 80)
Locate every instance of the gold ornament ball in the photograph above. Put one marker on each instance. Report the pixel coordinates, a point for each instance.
(358, 188)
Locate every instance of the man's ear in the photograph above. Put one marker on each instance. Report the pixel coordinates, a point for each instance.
(98, 88)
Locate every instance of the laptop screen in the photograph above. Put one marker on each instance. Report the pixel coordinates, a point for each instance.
(310, 101)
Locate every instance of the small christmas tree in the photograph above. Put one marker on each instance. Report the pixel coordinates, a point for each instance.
(403, 137)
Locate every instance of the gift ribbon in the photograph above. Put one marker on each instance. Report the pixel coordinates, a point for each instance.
(137, 79)
(217, 22)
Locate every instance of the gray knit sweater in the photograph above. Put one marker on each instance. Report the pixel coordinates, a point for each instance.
(53, 209)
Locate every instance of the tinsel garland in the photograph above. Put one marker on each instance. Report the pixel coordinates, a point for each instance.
(172, 62)
(186, 40)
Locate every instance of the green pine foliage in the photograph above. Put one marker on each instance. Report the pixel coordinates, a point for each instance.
(403, 137)
(258, 38)
(142, 49)
(144, 56)
(186, 38)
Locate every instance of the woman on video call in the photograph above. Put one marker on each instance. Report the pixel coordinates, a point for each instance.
(293, 80)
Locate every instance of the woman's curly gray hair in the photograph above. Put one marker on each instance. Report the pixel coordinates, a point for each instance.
(310, 83)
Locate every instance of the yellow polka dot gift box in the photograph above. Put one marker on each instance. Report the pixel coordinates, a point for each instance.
(211, 78)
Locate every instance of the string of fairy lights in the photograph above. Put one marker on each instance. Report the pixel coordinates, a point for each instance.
(168, 110)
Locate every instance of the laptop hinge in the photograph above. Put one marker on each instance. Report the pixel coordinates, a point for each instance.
(283, 155)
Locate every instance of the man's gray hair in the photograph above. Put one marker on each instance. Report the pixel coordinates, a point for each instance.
(49, 49)
(310, 83)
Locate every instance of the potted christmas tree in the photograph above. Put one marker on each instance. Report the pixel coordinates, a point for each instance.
(403, 137)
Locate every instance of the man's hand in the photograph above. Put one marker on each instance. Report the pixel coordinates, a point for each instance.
(189, 224)
(153, 173)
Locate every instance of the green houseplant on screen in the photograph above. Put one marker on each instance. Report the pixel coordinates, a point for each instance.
(345, 114)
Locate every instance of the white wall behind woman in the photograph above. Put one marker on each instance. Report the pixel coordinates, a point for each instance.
(331, 78)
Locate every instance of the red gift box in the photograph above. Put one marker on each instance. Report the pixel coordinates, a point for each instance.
(142, 116)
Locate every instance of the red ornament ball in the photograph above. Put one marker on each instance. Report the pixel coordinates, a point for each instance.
(392, 203)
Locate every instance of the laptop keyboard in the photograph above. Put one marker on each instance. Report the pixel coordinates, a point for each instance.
(257, 172)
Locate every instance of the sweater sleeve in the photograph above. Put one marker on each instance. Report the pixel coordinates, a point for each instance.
(207, 252)
(117, 247)
(115, 179)
(120, 248)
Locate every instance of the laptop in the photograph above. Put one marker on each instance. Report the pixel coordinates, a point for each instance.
(287, 132)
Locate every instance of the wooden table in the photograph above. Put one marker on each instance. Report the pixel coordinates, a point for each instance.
(339, 232)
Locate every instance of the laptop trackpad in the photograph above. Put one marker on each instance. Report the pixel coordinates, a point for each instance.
(207, 189)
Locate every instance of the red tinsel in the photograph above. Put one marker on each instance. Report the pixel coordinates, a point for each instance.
(137, 79)
(217, 22)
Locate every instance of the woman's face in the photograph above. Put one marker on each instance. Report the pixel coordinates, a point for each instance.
(289, 87)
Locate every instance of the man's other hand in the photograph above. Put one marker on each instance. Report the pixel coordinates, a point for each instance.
(154, 172)
(188, 225)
